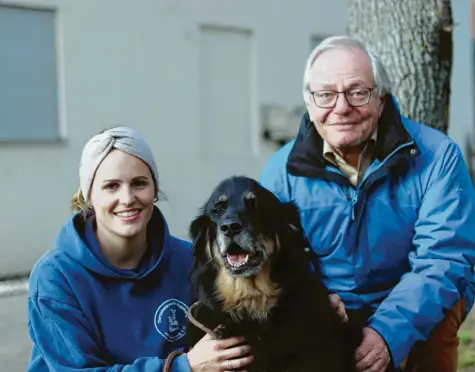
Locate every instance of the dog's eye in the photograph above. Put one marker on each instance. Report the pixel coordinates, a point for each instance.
(251, 203)
(218, 208)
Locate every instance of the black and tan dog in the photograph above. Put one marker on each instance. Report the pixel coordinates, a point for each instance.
(252, 276)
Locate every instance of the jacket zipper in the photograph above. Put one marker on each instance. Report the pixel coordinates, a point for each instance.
(354, 201)
(367, 181)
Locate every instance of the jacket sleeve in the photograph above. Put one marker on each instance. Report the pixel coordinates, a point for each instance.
(64, 342)
(442, 261)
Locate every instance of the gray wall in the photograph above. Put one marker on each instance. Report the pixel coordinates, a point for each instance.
(180, 71)
(157, 65)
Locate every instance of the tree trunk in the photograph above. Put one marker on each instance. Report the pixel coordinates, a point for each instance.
(414, 39)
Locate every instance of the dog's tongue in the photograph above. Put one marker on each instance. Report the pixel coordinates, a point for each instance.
(237, 258)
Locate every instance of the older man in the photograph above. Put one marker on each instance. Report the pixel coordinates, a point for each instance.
(387, 204)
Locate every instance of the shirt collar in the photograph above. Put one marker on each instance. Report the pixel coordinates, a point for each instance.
(329, 153)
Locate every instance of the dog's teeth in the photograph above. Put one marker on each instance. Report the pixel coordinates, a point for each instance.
(239, 264)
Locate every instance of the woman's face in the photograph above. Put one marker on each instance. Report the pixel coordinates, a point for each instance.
(122, 195)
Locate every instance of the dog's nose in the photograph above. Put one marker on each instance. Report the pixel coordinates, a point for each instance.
(230, 227)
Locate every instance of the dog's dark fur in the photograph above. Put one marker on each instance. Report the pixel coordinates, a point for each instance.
(280, 306)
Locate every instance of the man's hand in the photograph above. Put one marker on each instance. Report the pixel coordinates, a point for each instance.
(373, 354)
(338, 306)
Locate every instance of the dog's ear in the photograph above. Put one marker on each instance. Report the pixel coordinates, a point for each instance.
(199, 235)
(294, 242)
(291, 216)
(198, 229)
(293, 229)
(203, 271)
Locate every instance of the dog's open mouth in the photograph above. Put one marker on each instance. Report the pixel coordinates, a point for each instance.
(238, 260)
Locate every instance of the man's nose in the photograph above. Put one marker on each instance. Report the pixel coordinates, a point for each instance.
(341, 104)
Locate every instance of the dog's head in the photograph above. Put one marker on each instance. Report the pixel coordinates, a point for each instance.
(247, 246)
(241, 227)
(246, 234)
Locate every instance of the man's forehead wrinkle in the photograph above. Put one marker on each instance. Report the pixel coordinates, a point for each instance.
(333, 63)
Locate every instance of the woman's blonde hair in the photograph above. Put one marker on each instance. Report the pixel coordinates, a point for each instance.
(78, 203)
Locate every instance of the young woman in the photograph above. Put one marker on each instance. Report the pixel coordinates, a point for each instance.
(113, 294)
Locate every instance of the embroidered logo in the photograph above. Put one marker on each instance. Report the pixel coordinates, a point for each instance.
(171, 319)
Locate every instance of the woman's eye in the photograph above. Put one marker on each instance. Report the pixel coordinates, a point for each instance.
(111, 186)
(140, 184)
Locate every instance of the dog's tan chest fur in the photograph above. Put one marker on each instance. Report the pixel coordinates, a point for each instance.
(253, 296)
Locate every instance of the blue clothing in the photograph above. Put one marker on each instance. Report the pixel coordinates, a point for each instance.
(402, 243)
(85, 313)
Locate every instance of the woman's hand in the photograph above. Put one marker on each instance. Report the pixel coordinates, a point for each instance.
(218, 355)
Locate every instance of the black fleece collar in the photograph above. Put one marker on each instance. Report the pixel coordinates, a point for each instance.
(306, 157)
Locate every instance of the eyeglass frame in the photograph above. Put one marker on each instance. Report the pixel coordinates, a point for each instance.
(312, 93)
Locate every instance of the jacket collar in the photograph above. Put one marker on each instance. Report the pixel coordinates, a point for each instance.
(306, 157)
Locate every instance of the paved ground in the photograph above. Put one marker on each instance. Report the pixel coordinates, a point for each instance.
(15, 343)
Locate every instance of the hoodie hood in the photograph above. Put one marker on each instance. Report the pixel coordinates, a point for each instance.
(77, 240)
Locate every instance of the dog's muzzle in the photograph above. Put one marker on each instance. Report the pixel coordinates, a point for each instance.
(240, 253)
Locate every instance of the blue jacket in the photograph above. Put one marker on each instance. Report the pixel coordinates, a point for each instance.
(402, 243)
(85, 313)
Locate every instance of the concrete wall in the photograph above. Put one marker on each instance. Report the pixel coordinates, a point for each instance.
(143, 63)
(159, 65)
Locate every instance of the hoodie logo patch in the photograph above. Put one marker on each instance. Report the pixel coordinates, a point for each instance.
(171, 319)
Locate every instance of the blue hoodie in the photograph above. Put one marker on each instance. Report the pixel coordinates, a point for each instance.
(85, 313)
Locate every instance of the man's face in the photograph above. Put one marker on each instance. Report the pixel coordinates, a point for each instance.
(344, 126)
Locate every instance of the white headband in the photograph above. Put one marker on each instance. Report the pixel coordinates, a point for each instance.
(96, 149)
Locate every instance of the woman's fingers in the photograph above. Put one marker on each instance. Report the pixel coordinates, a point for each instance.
(233, 364)
(235, 352)
(229, 342)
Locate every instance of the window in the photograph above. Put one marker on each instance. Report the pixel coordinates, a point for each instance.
(28, 88)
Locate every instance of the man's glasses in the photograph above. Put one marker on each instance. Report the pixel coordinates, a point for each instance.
(355, 97)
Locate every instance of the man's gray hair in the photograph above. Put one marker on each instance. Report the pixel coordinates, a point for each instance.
(380, 74)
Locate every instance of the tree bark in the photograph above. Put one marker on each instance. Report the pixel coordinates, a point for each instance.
(414, 40)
